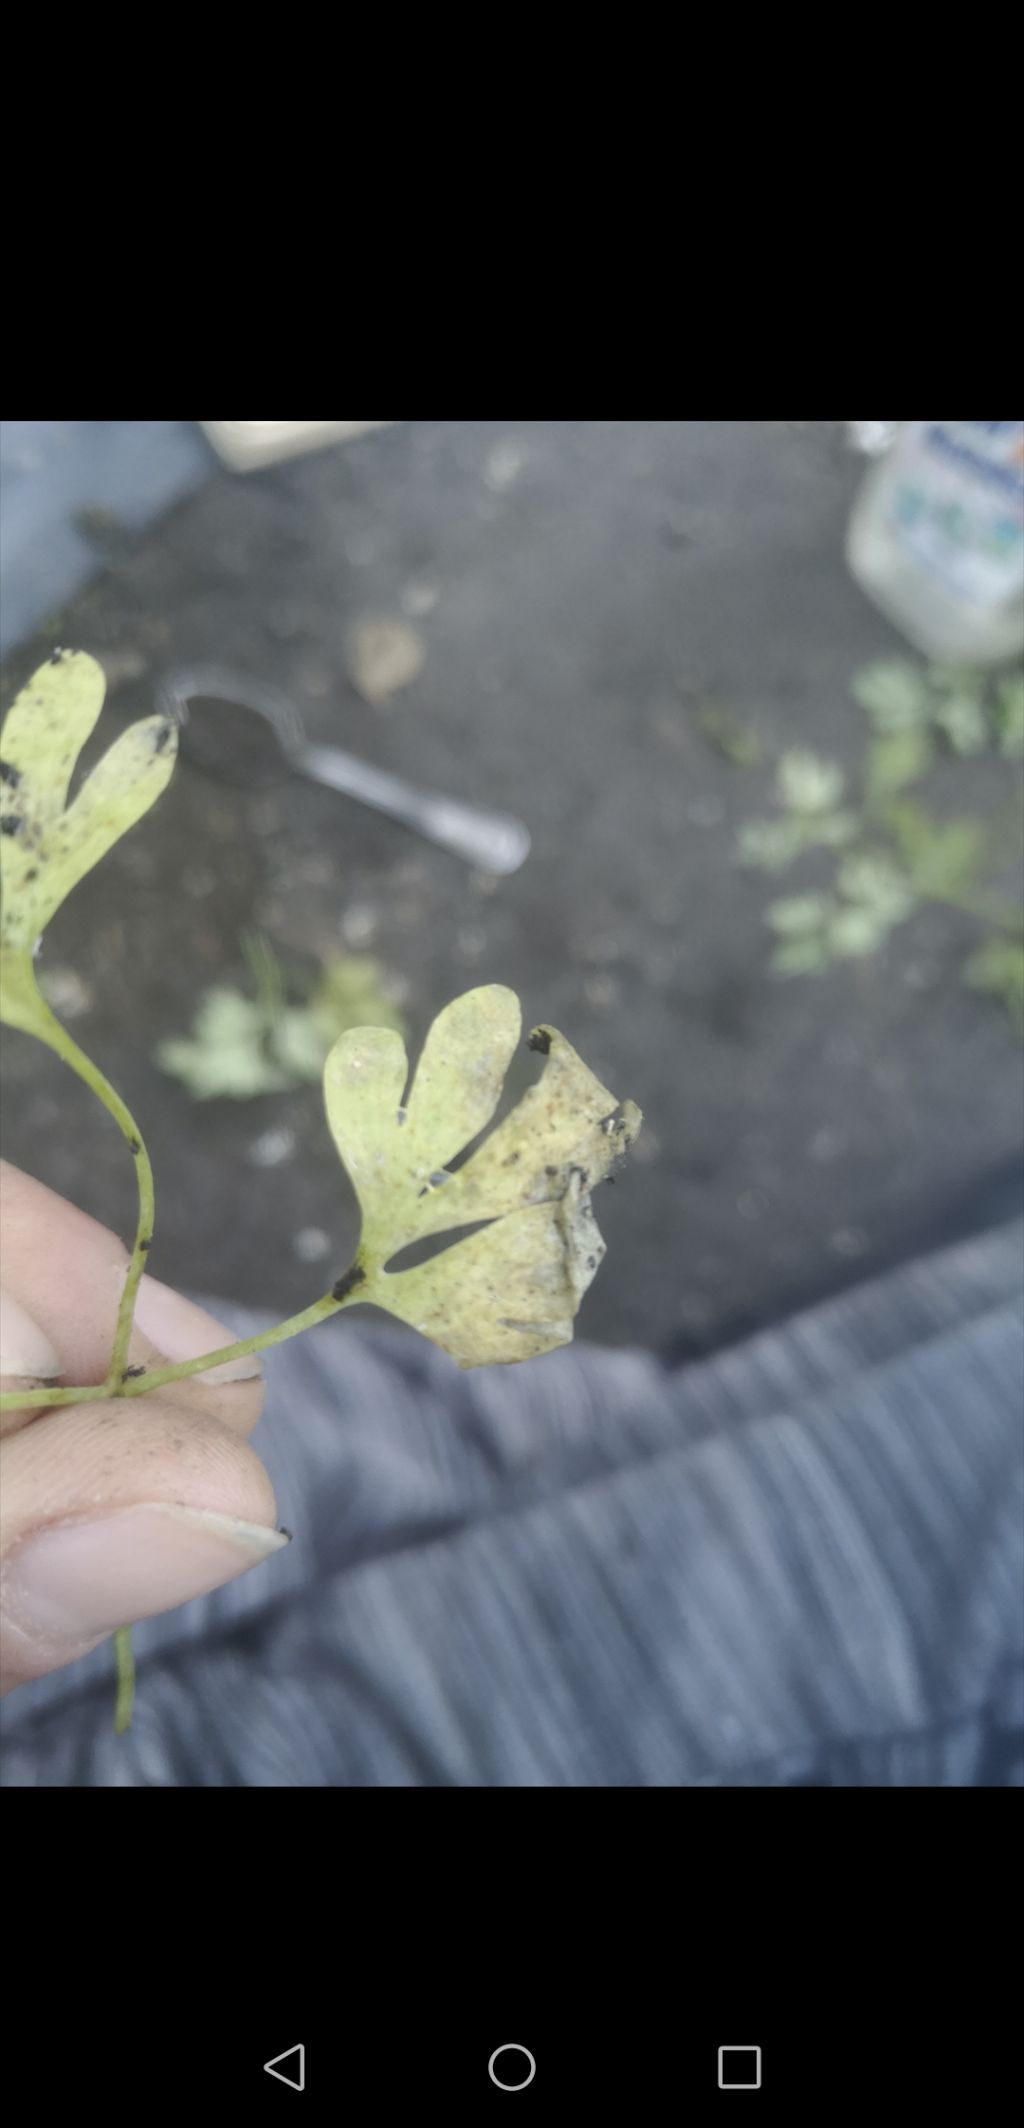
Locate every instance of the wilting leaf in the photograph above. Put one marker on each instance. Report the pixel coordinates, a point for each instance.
(47, 846)
(512, 1288)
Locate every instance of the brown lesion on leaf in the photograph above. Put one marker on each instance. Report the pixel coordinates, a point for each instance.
(540, 1040)
(353, 1277)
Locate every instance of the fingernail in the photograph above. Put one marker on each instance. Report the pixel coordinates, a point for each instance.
(181, 1331)
(25, 1350)
(77, 1581)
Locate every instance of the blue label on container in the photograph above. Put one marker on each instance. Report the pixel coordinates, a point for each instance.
(992, 449)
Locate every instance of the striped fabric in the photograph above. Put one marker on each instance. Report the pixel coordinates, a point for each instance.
(800, 1561)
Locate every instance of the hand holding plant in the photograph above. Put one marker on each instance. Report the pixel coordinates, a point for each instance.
(111, 1511)
(513, 1226)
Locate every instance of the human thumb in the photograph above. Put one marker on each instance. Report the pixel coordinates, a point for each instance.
(114, 1510)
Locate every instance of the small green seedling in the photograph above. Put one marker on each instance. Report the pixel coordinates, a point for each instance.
(891, 855)
(517, 1244)
(241, 1047)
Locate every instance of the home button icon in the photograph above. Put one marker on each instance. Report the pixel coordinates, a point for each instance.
(511, 2067)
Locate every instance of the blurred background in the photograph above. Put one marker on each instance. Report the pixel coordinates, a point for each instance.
(643, 640)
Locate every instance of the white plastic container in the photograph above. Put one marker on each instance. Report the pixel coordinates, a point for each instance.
(245, 446)
(936, 539)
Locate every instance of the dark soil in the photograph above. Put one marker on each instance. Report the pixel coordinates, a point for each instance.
(589, 605)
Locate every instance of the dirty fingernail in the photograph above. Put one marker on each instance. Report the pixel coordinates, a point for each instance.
(181, 1331)
(25, 1350)
(77, 1581)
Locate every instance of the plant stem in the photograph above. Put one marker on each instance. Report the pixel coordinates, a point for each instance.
(22, 1399)
(317, 1312)
(140, 1385)
(125, 1665)
(39, 1021)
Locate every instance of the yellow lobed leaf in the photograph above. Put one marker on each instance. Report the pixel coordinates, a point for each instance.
(47, 726)
(364, 1080)
(460, 1074)
(392, 1151)
(511, 1288)
(567, 1120)
(509, 1291)
(46, 847)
